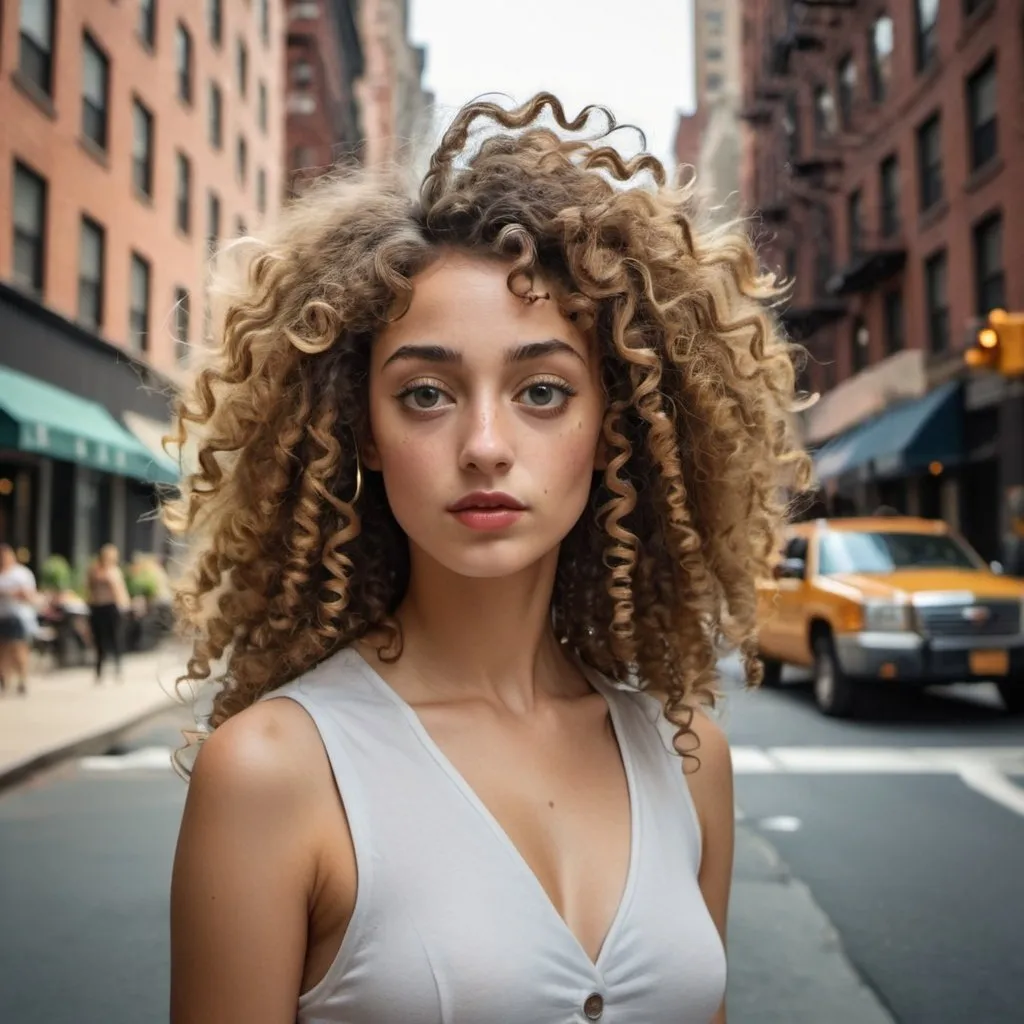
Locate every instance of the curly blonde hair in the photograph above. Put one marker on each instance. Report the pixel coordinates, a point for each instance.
(658, 577)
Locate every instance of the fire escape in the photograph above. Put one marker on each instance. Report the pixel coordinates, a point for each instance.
(804, 171)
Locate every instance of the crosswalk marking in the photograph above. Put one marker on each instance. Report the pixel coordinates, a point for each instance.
(983, 769)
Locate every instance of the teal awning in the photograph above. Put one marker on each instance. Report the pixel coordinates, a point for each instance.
(39, 417)
(902, 440)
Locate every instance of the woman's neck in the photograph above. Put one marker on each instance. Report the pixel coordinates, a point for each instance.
(491, 638)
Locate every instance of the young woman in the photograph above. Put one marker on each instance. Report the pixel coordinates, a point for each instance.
(108, 601)
(488, 477)
(18, 621)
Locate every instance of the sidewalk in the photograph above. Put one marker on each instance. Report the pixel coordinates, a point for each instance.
(786, 961)
(66, 714)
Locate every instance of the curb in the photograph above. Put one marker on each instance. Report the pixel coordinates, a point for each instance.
(84, 746)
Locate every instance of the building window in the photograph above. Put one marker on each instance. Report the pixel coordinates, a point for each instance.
(822, 234)
(714, 19)
(147, 22)
(215, 21)
(261, 190)
(181, 324)
(212, 220)
(855, 222)
(138, 310)
(981, 109)
(791, 127)
(302, 73)
(824, 114)
(936, 298)
(241, 159)
(265, 21)
(847, 89)
(240, 227)
(970, 6)
(262, 106)
(713, 53)
(95, 92)
(216, 116)
(929, 160)
(29, 228)
(90, 274)
(35, 52)
(242, 67)
(889, 180)
(183, 56)
(713, 81)
(183, 193)
(861, 348)
(880, 45)
(303, 9)
(990, 283)
(893, 313)
(142, 149)
(926, 42)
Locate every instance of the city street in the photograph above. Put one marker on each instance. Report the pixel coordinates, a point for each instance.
(919, 873)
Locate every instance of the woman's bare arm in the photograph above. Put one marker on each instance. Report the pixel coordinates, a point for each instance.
(712, 789)
(244, 871)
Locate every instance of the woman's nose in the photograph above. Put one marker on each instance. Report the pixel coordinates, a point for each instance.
(486, 446)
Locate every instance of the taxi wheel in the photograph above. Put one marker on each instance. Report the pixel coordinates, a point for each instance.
(834, 693)
(1012, 694)
(772, 673)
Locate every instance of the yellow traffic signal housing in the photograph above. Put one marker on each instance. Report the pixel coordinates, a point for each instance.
(999, 345)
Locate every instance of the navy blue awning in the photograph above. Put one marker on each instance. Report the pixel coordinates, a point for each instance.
(902, 440)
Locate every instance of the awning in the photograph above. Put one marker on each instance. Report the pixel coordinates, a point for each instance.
(38, 417)
(902, 440)
(152, 433)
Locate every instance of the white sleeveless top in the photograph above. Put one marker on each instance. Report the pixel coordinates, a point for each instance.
(451, 926)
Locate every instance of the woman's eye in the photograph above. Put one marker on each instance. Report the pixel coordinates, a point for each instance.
(424, 398)
(544, 396)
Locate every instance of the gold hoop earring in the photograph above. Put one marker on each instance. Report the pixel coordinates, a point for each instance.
(359, 480)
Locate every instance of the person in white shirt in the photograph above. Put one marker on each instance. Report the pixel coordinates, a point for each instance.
(17, 618)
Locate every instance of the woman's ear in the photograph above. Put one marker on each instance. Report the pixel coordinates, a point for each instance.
(369, 456)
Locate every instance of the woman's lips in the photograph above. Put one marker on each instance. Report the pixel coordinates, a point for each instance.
(495, 518)
(487, 510)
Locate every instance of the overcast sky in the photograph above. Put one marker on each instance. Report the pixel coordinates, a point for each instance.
(634, 56)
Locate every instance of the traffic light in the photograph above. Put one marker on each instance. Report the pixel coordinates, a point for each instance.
(999, 344)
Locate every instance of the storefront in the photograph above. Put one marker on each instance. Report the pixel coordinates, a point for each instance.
(73, 474)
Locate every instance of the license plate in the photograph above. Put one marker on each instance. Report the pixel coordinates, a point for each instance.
(989, 663)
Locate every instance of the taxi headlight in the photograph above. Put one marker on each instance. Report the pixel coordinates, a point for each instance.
(886, 617)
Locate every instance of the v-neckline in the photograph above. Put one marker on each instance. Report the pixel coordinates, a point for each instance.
(488, 817)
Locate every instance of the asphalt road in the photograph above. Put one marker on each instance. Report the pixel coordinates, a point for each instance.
(920, 875)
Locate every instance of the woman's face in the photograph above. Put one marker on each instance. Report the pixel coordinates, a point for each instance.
(485, 414)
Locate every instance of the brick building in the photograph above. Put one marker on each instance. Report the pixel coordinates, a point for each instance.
(134, 134)
(324, 124)
(711, 137)
(396, 108)
(884, 137)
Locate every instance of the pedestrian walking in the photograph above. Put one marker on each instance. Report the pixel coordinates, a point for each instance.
(18, 620)
(487, 478)
(108, 601)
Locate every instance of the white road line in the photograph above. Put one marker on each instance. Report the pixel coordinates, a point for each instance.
(144, 759)
(986, 780)
(983, 769)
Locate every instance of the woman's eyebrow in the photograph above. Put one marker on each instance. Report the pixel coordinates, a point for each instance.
(426, 353)
(517, 354)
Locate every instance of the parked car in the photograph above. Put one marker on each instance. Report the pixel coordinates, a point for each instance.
(890, 599)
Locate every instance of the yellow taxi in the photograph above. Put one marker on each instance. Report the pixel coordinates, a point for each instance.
(891, 599)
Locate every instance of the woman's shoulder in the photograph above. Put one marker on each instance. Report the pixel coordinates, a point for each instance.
(263, 758)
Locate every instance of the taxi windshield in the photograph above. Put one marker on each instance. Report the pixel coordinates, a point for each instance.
(879, 552)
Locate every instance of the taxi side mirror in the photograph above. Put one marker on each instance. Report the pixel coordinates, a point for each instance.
(996, 567)
(791, 569)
